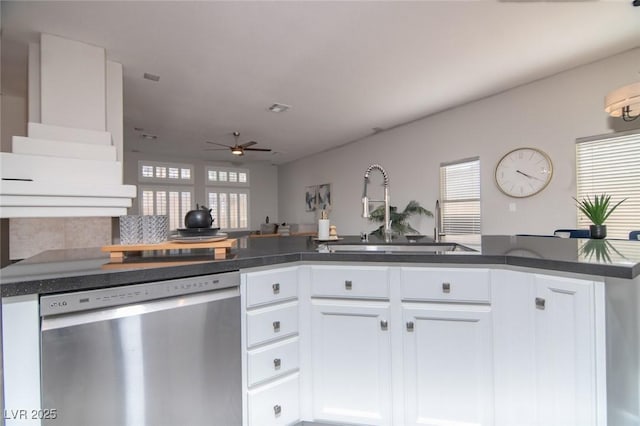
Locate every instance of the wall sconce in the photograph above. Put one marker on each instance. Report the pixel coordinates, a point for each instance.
(624, 102)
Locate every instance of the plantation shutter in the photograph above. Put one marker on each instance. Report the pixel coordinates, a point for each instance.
(611, 164)
(460, 197)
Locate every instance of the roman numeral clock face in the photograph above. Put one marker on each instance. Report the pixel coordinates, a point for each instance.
(523, 172)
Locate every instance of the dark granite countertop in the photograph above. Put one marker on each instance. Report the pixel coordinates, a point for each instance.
(58, 271)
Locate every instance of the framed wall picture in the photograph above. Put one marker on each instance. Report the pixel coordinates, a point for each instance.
(310, 198)
(324, 196)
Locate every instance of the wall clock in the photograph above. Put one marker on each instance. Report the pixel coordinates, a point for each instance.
(523, 172)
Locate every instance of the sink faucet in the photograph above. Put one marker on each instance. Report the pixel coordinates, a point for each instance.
(437, 233)
(366, 201)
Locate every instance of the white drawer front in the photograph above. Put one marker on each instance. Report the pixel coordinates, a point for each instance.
(272, 323)
(271, 286)
(272, 361)
(345, 282)
(276, 404)
(446, 285)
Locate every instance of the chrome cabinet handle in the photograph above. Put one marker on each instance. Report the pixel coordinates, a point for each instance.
(348, 284)
(540, 303)
(384, 325)
(276, 288)
(276, 363)
(276, 326)
(410, 326)
(277, 410)
(446, 287)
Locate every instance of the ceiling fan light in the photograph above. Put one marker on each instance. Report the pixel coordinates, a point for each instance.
(617, 100)
(237, 151)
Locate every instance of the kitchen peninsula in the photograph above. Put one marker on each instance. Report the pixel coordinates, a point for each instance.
(512, 317)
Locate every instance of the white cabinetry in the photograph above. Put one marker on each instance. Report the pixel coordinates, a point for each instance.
(565, 351)
(445, 346)
(440, 321)
(270, 347)
(351, 362)
(549, 350)
(448, 362)
(350, 345)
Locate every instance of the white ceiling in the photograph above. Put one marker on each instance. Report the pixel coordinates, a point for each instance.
(344, 67)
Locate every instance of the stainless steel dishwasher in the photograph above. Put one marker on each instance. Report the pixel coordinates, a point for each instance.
(153, 354)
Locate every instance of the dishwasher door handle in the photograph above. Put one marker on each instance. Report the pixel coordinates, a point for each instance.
(77, 318)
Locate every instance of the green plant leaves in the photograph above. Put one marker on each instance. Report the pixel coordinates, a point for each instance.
(597, 210)
(399, 220)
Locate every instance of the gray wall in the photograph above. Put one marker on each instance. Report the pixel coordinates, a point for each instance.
(263, 198)
(548, 114)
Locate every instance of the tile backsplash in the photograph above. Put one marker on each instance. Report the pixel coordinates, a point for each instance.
(30, 236)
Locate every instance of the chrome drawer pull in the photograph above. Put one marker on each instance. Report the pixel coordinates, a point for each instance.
(348, 284)
(410, 326)
(277, 410)
(276, 288)
(276, 326)
(276, 363)
(384, 325)
(540, 303)
(446, 287)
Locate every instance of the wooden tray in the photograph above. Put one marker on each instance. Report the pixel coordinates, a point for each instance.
(220, 248)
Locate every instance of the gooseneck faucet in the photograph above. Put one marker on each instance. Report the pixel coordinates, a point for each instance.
(437, 230)
(366, 201)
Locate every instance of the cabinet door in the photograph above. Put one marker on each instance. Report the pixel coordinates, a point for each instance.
(565, 351)
(448, 365)
(351, 362)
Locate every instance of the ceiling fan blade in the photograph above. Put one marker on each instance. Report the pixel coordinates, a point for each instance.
(216, 149)
(257, 149)
(220, 144)
(250, 143)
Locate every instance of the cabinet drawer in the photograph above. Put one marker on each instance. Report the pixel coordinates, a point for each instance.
(271, 286)
(276, 404)
(345, 282)
(446, 285)
(272, 361)
(272, 323)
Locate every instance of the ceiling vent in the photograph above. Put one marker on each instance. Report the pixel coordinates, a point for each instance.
(279, 107)
(151, 77)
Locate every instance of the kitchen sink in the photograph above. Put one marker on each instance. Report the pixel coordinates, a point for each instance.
(399, 248)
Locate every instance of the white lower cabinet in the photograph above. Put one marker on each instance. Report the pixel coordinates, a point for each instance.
(270, 347)
(351, 359)
(448, 374)
(275, 404)
(565, 352)
(549, 350)
(396, 346)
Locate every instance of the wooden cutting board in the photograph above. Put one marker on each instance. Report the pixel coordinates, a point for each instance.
(220, 248)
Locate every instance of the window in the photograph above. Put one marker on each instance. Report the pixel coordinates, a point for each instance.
(611, 164)
(166, 189)
(228, 197)
(460, 197)
(174, 202)
(153, 171)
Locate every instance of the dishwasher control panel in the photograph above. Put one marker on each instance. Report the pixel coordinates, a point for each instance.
(124, 295)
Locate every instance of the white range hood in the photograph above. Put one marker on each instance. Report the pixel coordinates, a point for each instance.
(70, 164)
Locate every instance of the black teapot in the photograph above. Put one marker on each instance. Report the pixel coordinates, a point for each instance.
(199, 218)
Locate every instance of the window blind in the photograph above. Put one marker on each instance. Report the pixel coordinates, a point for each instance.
(229, 208)
(460, 197)
(174, 202)
(611, 164)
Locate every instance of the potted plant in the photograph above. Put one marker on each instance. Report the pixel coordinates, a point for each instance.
(597, 211)
(399, 220)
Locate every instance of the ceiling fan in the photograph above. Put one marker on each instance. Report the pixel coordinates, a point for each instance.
(237, 149)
